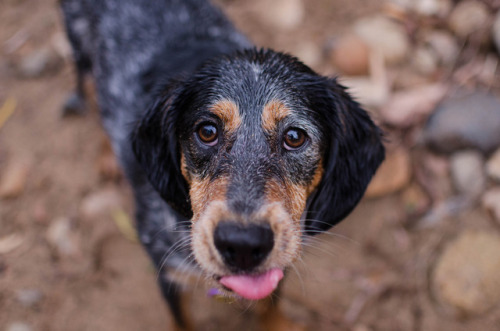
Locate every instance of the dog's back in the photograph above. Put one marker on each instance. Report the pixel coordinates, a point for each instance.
(131, 46)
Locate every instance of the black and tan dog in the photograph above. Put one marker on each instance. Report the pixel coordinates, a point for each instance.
(235, 154)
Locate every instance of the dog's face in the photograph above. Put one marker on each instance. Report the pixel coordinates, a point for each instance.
(258, 150)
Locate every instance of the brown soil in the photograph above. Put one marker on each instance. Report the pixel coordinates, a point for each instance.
(370, 273)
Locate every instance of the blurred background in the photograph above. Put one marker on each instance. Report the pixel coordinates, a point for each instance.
(421, 252)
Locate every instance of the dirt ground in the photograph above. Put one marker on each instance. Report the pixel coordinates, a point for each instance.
(71, 264)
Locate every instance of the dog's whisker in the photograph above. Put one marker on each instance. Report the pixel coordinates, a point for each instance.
(177, 247)
(299, 277)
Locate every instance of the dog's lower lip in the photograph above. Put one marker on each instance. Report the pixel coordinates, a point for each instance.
(253, 287)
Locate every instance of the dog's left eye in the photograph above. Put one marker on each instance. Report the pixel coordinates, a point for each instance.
(294, 138)
(208, 134)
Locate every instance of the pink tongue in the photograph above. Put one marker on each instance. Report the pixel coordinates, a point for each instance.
(253, 287)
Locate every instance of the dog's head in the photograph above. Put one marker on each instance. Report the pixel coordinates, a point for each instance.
(258, 151)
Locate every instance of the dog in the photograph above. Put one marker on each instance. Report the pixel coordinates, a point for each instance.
(235, 154)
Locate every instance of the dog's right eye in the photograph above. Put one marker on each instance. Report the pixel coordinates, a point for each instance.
(208, 134)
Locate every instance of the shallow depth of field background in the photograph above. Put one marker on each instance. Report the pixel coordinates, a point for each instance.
(421, 252)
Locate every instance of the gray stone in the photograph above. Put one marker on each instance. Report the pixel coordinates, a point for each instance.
(467, 171)
(466, 121)
(29, 297)
(19, 326)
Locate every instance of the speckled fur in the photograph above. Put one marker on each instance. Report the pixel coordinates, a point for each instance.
(161, 68)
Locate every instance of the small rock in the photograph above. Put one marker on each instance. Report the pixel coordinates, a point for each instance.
(370, 91)
(10, 242)
(493, 166)
(100, 203)
(366, 91)
(29, 297)
(393, 174)
(425, 61)
(468, 17)
(14, 179)
(467, 171)
(62, 238)
(438, 8)
(444, 45)
(406, 108)
(491, 202)
(496, 31)
(465, 121)
(385, 36)
(283, 14)
(19, 326)
(465, 278)
(351, 55)
(39, 63)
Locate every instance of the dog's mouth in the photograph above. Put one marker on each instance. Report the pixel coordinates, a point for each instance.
(253, 287)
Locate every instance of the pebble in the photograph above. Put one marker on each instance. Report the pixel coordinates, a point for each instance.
(444, 45)
(468, 17)
(493, 166)
(408, 107)
(29, 297)
(425, 61)
(385, 36)
(19, 326)
(491, 202)
(438, 8)
(351, 55)
(283, 14)
(465, 277)
(467, 172)
(39, 63)
(100, 203)
(62, 238)
(496, 31)
(467, 120)
(393, 175)
(13, 179)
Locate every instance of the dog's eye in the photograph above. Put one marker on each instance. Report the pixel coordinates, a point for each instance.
(293, 139)
(208, 134)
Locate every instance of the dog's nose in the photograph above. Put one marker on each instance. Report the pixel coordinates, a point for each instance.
(243, 247)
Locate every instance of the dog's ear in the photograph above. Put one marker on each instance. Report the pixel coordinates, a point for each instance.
(155, 145)
(353, 153)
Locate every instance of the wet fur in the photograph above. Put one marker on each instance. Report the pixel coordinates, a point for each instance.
(154, 88)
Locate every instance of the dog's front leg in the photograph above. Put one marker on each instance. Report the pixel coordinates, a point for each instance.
(177, 303)
(271, 317)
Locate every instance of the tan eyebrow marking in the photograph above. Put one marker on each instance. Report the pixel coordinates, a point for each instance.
(229, 113)
(273, 112)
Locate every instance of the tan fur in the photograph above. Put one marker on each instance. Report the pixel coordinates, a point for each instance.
(184, 170)
(273, 112)
(204, 191)
(229, 113)
(318, 174)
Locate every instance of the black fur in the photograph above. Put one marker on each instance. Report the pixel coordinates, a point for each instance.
(159, 64)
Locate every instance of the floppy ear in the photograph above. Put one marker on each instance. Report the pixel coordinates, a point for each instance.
(353, 153)
(155, 145)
